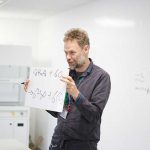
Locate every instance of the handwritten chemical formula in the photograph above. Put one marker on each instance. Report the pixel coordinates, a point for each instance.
(142, 81)
(44, 73)
(41, 94)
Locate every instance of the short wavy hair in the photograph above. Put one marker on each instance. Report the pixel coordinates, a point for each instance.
(77, 34)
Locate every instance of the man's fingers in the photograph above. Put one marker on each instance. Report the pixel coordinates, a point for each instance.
(67, 80)
(26, 84)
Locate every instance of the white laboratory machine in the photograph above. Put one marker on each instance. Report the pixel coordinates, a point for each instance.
(14, 116)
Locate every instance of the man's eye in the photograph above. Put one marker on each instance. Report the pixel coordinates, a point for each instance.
(72, 53)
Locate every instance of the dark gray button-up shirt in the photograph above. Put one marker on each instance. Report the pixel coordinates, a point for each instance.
(84, 119)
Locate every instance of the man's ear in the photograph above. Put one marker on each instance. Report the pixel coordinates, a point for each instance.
(86, 48)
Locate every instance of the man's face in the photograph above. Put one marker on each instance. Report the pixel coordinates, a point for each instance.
(75, 55)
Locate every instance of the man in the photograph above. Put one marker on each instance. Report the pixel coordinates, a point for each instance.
(87, 91)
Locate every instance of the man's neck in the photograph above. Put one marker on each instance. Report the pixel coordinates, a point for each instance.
(84, 67)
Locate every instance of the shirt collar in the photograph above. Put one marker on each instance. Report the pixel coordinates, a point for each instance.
(72, 73)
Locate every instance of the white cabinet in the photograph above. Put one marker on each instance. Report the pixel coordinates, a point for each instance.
(14, 116)
(6, 128)
(14, 123)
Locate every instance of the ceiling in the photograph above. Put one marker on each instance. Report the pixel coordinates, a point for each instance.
(37, 9)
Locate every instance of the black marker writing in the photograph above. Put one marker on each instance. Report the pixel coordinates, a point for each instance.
(41, 94)
(37, 93)
(39, 72)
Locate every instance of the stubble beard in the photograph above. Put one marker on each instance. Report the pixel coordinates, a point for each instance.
(78, 63)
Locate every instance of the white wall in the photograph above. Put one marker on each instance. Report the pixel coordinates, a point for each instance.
(119, 33)
(22, 32)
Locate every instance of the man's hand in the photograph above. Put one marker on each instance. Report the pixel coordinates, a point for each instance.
(26, 85)
(71, 86)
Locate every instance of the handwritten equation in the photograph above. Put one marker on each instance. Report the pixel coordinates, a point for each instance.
(39, 72)
(42, 94)
(142, 81)
(46, 91)
(144, 89)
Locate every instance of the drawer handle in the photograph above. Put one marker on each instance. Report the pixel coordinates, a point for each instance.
(20, 124)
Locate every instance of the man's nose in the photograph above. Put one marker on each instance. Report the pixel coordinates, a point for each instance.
(68, 56)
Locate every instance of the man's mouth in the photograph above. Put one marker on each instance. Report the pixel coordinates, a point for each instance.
(70, 62)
